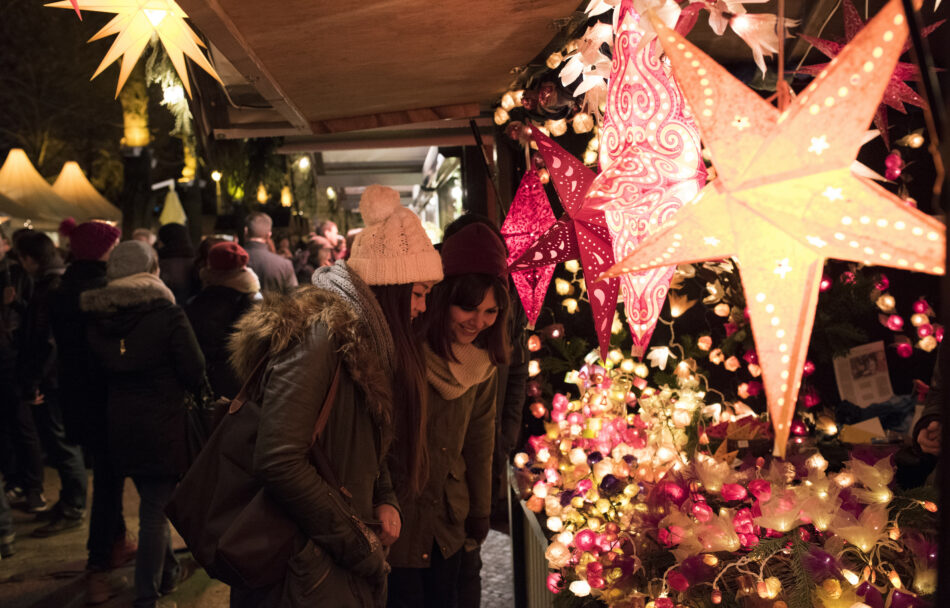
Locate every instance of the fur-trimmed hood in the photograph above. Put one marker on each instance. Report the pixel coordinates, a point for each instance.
(112, 298)
(277, 323)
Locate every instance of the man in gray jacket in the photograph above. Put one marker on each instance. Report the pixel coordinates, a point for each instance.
(275, 272)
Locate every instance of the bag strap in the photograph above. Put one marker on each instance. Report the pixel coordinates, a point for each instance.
(320, 460)
(327, 406)
(239, 401)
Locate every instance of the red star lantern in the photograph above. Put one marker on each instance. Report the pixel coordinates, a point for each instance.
(650, 165)
(786, 200)
(581, 232)
(530, 216)
(897, 92)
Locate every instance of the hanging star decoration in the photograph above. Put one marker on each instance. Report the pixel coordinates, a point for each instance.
(134, 24)
(580, 233)
(897, 92)
(528, 218)
(785, 199)
(650, 165)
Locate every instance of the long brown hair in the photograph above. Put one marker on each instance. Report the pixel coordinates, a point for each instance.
(410, 444)
(468, 291)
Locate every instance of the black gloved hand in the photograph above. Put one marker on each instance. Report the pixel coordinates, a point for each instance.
(477, 528)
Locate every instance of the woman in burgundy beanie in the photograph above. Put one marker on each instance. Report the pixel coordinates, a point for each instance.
(466, 338)
(90, 240)
(230, 287)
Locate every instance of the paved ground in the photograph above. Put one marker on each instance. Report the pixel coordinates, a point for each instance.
(49, 573)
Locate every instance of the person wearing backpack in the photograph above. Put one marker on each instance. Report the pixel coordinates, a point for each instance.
(353, 321)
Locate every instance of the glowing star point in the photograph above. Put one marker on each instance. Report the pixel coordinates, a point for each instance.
(135, 25)
(768, 203)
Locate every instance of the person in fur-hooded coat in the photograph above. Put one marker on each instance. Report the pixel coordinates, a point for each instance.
(304, 336)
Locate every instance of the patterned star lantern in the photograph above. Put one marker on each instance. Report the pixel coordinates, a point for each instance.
(650, 165)
(785, 198)
(135, 22)
(897, 92)
(530, 216)
(582, 232)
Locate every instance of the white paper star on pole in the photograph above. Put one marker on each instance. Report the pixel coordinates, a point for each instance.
(779, 208)
(134, 24)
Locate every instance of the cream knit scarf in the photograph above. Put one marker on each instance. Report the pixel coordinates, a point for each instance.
(144, 280)
(452, 379)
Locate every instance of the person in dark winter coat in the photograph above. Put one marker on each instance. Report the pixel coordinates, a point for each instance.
(176, 256)
(466, 338)
(148, 350)
(229, 290)
(40, 383)
(83, 398)
(22, 455)
(355, 318)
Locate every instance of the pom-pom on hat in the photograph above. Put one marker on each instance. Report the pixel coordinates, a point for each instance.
(393, 249)
(475, 249)
(227, 256)
(90, 240)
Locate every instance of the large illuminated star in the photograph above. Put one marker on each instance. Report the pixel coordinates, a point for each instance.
(786, 200)
(897, 92)
(134, 24)
(580, 233)
(650, 164)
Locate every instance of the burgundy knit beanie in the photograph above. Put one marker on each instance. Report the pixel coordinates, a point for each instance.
(90, 240)
(226, 256)
(475, 249)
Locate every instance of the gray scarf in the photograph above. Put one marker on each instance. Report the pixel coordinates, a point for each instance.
(342, 281)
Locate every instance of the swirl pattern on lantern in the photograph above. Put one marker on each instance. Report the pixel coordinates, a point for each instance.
(650, 165)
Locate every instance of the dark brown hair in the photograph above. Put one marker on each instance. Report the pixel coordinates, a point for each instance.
(410, 444)
(468, 291)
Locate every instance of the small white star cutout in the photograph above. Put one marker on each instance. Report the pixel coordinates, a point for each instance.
(710, 240)
(833, 194)
(740, 122)
(816, 241)
(819, 145)
(782, 267)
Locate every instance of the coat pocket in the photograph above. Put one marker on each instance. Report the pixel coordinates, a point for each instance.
(456, 493)
(314, 579)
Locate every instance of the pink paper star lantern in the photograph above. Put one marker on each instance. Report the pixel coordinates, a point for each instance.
(530, 216)
(897, 93)
(650, 165)
(582, 232)
(786, 200)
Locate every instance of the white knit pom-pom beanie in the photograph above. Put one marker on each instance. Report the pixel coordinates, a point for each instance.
(393, 249)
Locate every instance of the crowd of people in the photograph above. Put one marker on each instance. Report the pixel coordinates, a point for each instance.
(104, 341)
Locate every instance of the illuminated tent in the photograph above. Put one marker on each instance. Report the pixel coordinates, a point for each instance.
(20, 181)
(73, 186)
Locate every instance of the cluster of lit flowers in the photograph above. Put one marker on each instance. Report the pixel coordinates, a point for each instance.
(640, 513)
(928, 334)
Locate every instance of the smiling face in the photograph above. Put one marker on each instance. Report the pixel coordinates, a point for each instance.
(466, 323)
(417, 304)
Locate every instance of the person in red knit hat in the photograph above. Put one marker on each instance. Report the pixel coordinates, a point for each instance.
(466, 338)
(83, 399)
(230, 287)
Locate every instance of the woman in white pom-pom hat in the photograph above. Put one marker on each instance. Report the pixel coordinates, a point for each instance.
(357, 314)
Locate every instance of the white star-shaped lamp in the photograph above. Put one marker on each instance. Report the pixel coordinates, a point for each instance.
(134, 24)
(786, 199)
